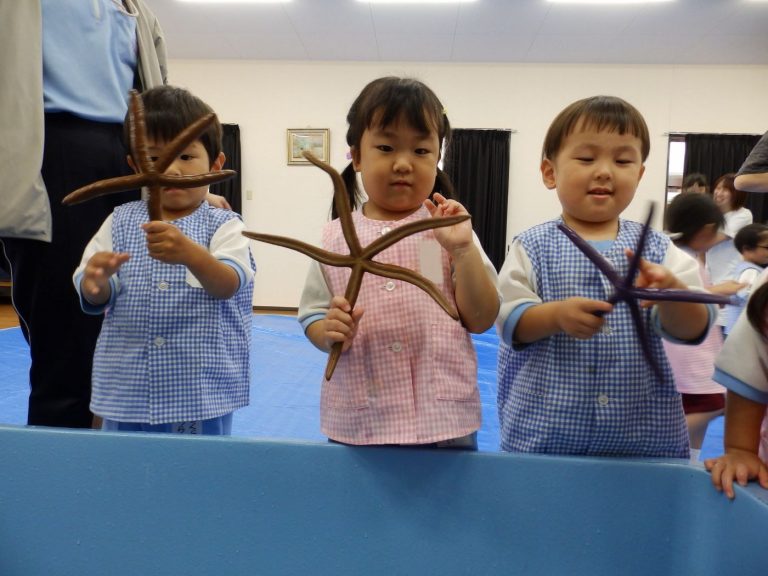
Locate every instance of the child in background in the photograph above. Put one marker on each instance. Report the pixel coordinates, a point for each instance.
(572, 376)
(752, 243)
(693, 221)
(173, 353)
(742, 367)
(408, 374)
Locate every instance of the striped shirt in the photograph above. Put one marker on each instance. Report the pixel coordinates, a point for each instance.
(169, 352)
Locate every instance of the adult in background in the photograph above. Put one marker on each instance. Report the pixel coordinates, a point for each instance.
(731, 202)
(70, 65)
(753, 174)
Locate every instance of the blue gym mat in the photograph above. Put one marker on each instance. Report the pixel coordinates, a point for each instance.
(285, 385)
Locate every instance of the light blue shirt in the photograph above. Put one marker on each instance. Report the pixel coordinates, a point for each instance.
(89, 58)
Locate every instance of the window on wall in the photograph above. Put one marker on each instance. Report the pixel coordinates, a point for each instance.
(675, 166)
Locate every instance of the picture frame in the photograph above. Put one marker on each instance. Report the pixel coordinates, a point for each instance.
(315, 140)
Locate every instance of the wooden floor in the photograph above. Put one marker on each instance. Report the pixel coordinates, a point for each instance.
(8, 318)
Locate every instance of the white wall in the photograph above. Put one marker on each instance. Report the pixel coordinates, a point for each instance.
(266, 98)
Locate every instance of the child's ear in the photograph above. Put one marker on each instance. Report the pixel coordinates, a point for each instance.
(218, 164)
(548, 174)
(355, 152)
(131, 164)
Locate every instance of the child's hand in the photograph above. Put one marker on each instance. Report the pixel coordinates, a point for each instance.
(581, 317)
(94, 285)
(167, 243)
(340, 324)
(741, 465)
(654, 276)
(451, 238)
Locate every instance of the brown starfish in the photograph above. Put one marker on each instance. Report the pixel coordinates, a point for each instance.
(151, 174)
(360, 259)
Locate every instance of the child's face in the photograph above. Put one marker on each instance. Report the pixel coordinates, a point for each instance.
(398, 165)
(193, 160)
(722, 197)
(704, 239)
(596, 175)
(759, 254)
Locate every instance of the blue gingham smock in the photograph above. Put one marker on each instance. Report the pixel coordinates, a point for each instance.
(562, 395)
(168, 352)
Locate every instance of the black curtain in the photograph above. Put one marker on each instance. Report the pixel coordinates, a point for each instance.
(716, 154)
(477, 162)
(231, 189)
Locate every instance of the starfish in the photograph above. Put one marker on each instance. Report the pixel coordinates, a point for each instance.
(626, 291)
(151, 173)
(360, 259)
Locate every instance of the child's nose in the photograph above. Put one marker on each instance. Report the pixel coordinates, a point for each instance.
(402, 162)
(603, 170)
(174, 168)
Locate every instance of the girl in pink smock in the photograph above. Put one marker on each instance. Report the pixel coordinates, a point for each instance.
(408, 372)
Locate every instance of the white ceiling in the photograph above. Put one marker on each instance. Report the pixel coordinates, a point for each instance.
(522, 31)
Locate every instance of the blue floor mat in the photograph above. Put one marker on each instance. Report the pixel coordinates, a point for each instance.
(285, 385)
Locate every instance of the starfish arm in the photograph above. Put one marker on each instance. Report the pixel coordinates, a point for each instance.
(634, 264)
(137, 134)
(637, 320)
(593, 255)
(341, 201)
(322, 256)
(406, 275)
(182, 140)
(195, 180)
(398, 234)
(675, 295)
(353, 290)
(102, 187)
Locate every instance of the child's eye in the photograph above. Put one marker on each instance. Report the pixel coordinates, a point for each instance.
(154, 158)
(584, 159)
(186, 157)
(624, 161)
(384, 147)
(423, 151)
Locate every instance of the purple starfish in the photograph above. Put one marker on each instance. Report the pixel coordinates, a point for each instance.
(626, 291)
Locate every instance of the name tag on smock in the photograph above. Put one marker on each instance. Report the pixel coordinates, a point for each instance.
(431, 261)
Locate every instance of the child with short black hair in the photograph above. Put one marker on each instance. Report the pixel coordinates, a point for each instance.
(173, 353)
(572, 377)
(752, 243)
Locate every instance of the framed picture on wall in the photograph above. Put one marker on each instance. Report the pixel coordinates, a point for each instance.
(314, 140)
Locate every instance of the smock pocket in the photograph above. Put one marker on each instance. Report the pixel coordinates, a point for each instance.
(454, 364)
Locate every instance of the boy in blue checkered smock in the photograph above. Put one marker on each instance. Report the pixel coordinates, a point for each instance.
(572, 375)
(173, 353)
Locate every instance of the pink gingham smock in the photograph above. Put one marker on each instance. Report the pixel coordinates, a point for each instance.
(410, 376)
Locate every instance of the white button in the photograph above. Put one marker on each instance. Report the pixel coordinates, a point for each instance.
(396, 347)
(163, 285)
(603, 400)
(159, 341)
(385, 230)
(389, 286)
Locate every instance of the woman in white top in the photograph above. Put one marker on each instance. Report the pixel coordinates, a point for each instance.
(731, 203)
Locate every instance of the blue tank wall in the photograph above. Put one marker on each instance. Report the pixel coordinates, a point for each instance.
(93, 503)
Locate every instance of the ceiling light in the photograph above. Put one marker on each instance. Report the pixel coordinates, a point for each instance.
(235, 1)
(417, 1)
(608, 1)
